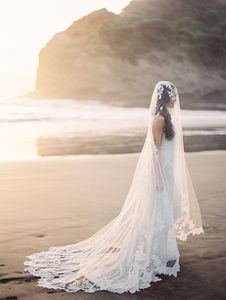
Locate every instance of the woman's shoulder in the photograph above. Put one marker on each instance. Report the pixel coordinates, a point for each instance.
(158, 120)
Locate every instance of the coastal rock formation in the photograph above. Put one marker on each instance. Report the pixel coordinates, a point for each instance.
(118, 59)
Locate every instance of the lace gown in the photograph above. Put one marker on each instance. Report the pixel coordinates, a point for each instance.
(168, 232)
(147, 249)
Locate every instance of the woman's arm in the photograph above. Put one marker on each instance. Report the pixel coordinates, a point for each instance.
(157, 130)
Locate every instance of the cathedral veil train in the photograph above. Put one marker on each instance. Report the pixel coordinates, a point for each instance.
(128, 253)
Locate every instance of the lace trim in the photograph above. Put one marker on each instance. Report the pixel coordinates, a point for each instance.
(60, 273)
(185, 227)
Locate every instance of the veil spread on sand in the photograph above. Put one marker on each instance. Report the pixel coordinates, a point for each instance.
(123, 255)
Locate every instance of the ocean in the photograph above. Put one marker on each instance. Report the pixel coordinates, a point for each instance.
(25, 123)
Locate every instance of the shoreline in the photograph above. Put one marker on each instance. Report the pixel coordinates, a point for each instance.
(101, 155)
(119, 144)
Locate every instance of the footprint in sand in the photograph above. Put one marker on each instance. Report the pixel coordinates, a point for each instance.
(38, 235)
(17, 279)
(53, 292)
(10, 298)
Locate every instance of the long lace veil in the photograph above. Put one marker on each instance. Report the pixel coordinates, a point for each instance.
(125, 247)
(186, 208)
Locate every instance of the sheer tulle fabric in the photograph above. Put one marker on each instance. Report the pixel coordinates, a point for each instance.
(128, 253)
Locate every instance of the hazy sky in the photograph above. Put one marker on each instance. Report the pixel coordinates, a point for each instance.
(27, 25)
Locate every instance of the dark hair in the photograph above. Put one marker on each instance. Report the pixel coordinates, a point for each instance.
(161, 109)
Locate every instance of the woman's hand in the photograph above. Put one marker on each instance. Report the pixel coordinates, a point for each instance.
(159, 181)
(159, 187)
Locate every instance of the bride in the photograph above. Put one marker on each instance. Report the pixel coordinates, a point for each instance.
(128, 253)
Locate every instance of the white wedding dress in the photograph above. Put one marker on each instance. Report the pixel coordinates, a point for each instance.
(128, 253)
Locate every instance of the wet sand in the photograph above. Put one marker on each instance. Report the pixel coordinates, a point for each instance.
(59, 201)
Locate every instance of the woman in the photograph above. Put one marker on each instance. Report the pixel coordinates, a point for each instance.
(128, 253)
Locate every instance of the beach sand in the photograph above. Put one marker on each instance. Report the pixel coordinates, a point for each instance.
(59, 201)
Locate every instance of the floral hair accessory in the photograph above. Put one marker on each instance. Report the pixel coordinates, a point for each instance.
(170, 88)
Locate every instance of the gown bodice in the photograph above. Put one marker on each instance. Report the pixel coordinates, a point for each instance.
(167, 156)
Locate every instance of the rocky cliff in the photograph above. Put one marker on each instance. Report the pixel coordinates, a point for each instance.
(118, 58)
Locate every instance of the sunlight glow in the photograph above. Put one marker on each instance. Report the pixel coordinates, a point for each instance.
(27, 25)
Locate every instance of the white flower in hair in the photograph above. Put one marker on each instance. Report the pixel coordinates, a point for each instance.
(160, 90)
(169, 88)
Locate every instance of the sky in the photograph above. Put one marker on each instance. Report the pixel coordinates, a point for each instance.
(26, 26)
